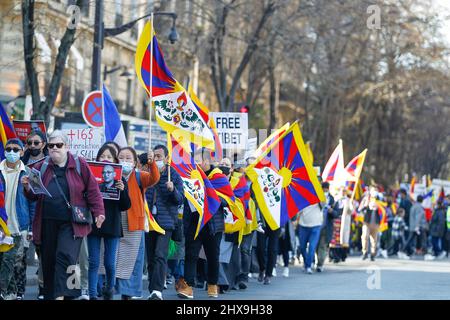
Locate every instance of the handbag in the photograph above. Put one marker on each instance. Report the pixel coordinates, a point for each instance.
(80, 215)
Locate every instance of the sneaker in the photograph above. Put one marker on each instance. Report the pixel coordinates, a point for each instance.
(184, 290)
(319, 269)
(40, 293)
(11, 296)
(428, 257)
(84, 295)
(365, 256)
(372, 257)
(266, 280)
(274, 272)
(136, 298)
(442, 255)
(286, 272)
(19, 297)
(242, 285)
(309, 271)
(213, 291)
(155, 295)
(261, 277)
(250, 275)
(384, 254)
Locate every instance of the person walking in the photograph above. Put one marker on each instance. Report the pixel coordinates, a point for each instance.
(20, 213)
(110, 233)
(130, 256)
(55, 227)
(164, 198)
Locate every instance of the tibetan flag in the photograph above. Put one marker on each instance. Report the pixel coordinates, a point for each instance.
(284, 180)
(242, 191)
(411, 187)
(335, 164)
(310, 153)
(270, 140)
(381, 206)
(153, 225)
(197, 187)
(354, 168)
(6, 131)
(4, 231)
(217, 152)
(234, 219)
(174, 110)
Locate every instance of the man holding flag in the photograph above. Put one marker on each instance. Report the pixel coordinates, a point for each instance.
(209, 236)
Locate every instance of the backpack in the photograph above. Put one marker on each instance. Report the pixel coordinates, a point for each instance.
(46, 161)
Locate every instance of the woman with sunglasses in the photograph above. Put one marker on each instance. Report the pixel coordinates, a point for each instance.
(130, 256)
(110, 232)
(36, 148)
(54, 229)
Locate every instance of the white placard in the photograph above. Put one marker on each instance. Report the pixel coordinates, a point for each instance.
(232, 128)
(85, 142)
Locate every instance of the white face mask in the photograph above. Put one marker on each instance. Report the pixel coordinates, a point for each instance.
(127, 167)
(160, 164)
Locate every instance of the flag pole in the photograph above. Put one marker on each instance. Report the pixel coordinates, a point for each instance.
(151, 85)
(169, 143)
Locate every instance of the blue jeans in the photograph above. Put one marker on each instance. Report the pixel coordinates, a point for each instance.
(111, 245)
(437, 245)
(176, 268)
(309, 235)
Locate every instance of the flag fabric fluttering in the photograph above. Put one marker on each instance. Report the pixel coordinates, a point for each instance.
(235, 219)
(153, 225)
(242, 191)
(174, 110)
(4, 231)
(197, 188)
(284, 180)
(270, 140)
(411, 187)
(335, 165)
(309, 150)
(113, 126)
(354, 168)
(6, 130)
(217, 152)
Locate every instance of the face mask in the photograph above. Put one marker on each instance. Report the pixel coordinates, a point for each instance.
(35, 152)
(12, 157)
(127, 167)
(160, 164)
(225, 170)
(326, 194)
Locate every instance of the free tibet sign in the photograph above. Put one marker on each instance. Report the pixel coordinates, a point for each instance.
(232, 128)
(92, 109)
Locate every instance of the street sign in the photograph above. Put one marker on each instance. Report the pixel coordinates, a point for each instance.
(232, 128)
(85, 142)
(92, 109)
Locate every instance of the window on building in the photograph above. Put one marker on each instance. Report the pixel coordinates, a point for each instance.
(119, 13)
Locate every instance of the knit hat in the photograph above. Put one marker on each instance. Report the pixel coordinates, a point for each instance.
(14, 141)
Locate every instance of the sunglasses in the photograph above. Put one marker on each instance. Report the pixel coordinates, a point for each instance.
(36, 143)
(9, 149)
(58, 145)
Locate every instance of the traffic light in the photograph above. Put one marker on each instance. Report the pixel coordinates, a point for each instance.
(244, 109)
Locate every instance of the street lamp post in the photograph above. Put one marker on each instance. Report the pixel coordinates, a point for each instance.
(100, 33)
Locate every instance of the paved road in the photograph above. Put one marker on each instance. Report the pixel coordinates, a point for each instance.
(354, 279)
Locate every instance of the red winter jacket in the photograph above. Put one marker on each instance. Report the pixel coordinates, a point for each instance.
(79, 185)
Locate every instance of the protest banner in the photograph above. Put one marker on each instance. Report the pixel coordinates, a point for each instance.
(232, 128)
(24, 128)
(107, 174)
(85, 142)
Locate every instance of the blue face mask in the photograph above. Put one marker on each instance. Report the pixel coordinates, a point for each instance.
(127, 167)
(12, 157)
